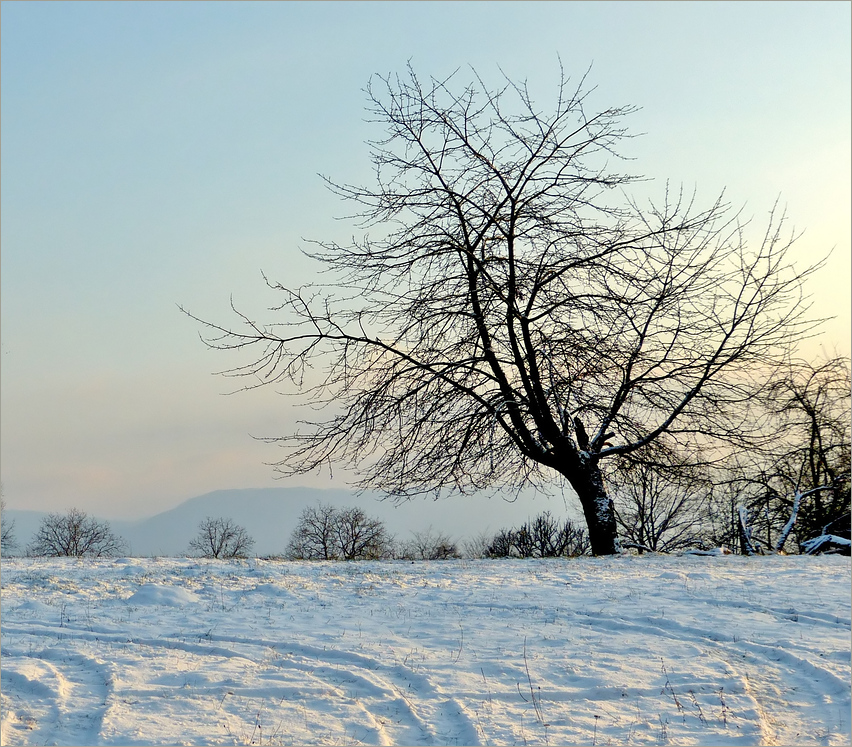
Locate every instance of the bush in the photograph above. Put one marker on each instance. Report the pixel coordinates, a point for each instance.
(477, 546)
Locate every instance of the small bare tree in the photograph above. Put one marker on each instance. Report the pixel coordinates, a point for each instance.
(661, 501)
(75, 534)
(361, 538)
(541, 537)
(798, 485)
(428, 545)
(508, 321)
(314, 537)
(221, 538)
(7, 529)
(327, 533)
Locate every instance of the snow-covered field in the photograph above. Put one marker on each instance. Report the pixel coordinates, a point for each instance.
(628, 650)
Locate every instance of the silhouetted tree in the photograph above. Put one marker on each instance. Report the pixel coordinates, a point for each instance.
(507, 321)
(314, 537)
(327, 533)
(542, 537)
(75, 534)
(804, 472)
(7, 529)
(361, 538)
(662, 501)
(502, 544)
(221, 538)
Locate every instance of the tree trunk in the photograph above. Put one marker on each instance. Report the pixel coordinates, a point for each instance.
(746, 546)
(597, 509)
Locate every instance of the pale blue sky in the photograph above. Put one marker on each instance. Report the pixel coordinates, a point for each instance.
(164, 153)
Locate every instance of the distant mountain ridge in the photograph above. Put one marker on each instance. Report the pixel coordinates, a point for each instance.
(270, 515)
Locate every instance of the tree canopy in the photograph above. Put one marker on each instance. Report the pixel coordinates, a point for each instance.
(509, 315)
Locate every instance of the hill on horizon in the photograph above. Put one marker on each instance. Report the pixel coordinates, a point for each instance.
(270, 515)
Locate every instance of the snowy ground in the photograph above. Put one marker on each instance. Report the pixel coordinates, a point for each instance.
(630, 650)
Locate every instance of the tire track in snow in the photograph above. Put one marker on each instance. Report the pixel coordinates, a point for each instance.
(391, 696)
(689, 634)
(395, 684)
(173, 681)
(30, 701)
(384, 691)
(810, 616)
(762, 679)
(70, 709)
(398, 705)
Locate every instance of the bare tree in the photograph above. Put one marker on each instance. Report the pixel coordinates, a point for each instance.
(550, 539)
(7, 529)
(542, 537)
(661, 501)
(75, 534)
(428, 545)
(327, 533)
(221, 538)
(314, 537)
(502, 545)
(361, 538)
(799, 485)
(477, 546)
(509, 322)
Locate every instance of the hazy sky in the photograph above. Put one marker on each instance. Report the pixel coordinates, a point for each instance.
(156, 154)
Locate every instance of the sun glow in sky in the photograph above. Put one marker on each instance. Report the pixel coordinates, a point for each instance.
(156, 154)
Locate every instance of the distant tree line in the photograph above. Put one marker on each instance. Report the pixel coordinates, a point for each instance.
(327, 533)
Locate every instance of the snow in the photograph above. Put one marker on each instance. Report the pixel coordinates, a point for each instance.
(812, 545)
(714, 650)
(163, 595)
